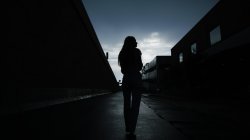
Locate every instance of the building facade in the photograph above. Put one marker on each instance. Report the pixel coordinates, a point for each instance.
(156, 75)
(213, 55)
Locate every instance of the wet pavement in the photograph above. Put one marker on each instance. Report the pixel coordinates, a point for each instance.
(204, 119)
(101, 118)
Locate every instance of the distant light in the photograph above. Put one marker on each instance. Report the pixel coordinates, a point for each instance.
(194, 48)
(181, 57)
(215, 35)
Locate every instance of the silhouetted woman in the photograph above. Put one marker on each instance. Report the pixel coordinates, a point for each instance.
(130, 62)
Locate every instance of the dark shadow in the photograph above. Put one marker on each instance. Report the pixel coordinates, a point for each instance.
(131, 137)
(131, 64)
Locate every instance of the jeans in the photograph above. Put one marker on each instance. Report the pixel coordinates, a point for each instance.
(131, 86)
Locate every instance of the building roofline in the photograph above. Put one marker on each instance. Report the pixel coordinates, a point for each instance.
(79, 5)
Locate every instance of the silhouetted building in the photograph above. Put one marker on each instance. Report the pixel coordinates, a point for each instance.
(157, 74)
(52, 53)
(214, 55)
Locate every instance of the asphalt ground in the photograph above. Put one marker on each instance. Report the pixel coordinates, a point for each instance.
(97, 118)
(101, 118)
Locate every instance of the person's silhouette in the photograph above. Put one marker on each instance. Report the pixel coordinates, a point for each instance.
(130, 62)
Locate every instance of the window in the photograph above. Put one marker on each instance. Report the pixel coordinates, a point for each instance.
(194, 48)
(181, 57)
(215, 35)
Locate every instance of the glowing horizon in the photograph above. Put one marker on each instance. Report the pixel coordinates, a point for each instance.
(157, 25)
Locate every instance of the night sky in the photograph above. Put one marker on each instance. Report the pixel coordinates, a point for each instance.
(156, 24)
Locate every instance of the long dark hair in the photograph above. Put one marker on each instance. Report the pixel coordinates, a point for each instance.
(129, 44)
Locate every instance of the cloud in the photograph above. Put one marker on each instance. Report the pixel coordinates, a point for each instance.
(151, 45)
(113, 50)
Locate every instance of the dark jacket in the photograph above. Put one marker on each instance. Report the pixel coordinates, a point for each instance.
(132, 63)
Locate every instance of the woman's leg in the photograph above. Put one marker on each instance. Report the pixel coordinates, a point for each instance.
(136, 100)
(127, 109)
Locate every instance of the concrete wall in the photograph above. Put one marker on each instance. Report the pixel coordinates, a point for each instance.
(52, 45)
